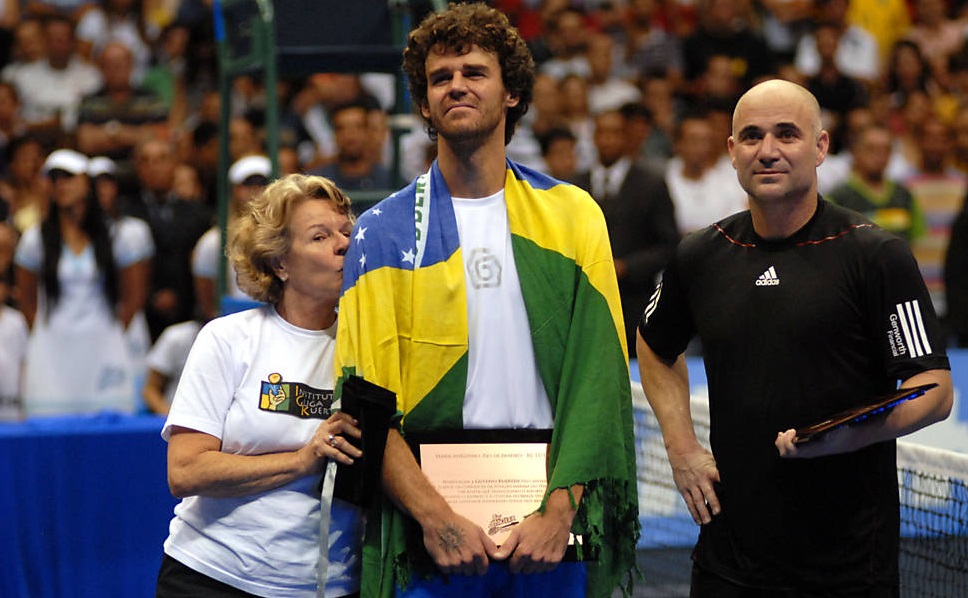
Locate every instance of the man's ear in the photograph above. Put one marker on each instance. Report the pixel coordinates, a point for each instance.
(511, 101)
(823, 146)
(425, 110)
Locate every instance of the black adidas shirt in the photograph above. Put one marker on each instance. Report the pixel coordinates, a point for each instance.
(792, 331)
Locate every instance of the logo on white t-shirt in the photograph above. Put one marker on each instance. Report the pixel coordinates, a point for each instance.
(295, 398)
(483, 269)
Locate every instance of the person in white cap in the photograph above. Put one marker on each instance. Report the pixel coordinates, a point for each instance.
(248, 176)
(134, 235)
(78, 299)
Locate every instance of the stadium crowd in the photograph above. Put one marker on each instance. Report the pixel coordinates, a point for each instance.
(633, 101)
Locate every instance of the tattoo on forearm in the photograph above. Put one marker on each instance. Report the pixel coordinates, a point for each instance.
(450, 538)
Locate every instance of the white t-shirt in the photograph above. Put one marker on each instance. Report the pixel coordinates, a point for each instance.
(265, 544)
(45, 91)
(170, 352)
(205, 258)
(858, 54)
(701, 202)
(504, 389)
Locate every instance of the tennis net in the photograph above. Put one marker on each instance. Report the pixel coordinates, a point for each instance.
(933, 486)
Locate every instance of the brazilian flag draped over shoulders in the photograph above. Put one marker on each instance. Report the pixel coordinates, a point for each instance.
(403, 325)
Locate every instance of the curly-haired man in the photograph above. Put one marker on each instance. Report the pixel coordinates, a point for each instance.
(484, 295)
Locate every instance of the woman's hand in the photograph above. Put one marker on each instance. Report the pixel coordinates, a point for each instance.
(330, 441)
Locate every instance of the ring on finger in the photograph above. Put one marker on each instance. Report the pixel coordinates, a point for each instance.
(331, 441)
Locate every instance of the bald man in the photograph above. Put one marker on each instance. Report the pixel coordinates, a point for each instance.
(803, 309)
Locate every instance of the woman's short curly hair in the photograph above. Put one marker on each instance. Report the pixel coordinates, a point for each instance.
(457, 29)
(262, 234)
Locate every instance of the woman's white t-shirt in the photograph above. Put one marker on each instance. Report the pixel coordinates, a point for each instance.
(239, 369)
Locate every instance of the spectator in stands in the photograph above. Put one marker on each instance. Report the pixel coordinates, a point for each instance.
(114, 119)
(29, 46)
(244, 138)
(939, 190)
(908, 73)
(638, 212)
(857, 55)
(702, 194)
(76, 288)
(176, 225)
(354, 168)
(11, 121)
(837, 92)
(310, 108)
(544, 115)
(606, 90)
(640, 127)
(886, 20)
(906, 121)
(134, 237)
(650, 46)
(248, 176)
(938, 36)
(782, 23)
(837, 165)
(610, 17)
(24, 189)
(379, 143)
(165, 363)
(578, 117)
(51, 89)
(885, 202)
(725, 31)
(660, 97)
(116, 21)
(253, 428)
(167, 75)
(568, 38)
(558, 152)
(718, 81)
(202, 153)
(186, 182)
(288, 158)
(719, 113)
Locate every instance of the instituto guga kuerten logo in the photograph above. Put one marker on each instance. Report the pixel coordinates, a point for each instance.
(295, 398)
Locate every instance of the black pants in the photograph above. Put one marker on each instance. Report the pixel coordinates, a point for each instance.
(176, 580)
(709, 585)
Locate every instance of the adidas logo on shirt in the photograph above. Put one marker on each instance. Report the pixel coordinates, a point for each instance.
(768, 278)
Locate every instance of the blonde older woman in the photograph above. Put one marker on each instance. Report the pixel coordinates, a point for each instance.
(252, 424)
